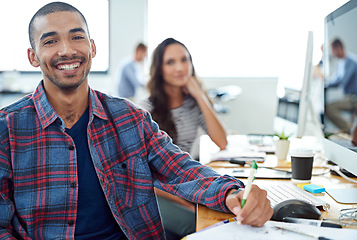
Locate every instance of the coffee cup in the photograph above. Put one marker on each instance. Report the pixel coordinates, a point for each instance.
(301, 165)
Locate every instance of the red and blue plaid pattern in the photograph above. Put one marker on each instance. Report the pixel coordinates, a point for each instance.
(38, 170)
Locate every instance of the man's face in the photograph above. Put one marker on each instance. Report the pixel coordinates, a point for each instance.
(63, 49)
(338, 52)
(140, 55)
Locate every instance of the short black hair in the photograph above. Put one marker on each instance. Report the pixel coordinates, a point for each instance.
(141, 46)
(337, 43)
(51, 8)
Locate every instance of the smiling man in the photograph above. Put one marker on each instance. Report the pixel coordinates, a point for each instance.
(62, 48)
(78, 164)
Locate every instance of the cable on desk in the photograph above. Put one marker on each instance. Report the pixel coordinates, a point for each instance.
(320, 174)
(337, 170)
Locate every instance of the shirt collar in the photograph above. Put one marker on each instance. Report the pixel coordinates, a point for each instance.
(47, 114)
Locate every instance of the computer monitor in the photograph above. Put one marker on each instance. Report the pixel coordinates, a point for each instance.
(339, 24)
(306, 121)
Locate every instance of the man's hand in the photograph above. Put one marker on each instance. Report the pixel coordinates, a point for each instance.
(257, 209)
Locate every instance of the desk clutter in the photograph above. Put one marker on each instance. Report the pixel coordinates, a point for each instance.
(240, 147)
(307, 209)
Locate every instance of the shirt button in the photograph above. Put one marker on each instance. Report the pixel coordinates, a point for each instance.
(70, 147)
(70, 223)
(123, 165)
(73, 185)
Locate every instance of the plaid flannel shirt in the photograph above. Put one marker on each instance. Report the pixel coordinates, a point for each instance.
(38, 171)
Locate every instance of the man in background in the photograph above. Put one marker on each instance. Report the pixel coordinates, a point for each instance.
(130, 76)
(346, 78)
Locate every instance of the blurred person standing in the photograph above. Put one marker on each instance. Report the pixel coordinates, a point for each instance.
(129, 76)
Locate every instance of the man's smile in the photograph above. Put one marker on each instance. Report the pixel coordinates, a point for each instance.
(68, 66)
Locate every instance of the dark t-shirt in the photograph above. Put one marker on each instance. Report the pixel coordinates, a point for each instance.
(94, 217)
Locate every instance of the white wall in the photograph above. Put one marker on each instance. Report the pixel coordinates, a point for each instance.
(254, 109)
(128, 26)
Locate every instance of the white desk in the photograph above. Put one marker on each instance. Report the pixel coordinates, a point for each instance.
(237, 143)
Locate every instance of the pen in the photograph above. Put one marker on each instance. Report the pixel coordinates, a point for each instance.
(343, 223)
(302, 233)
(317, 223)
(253, 169)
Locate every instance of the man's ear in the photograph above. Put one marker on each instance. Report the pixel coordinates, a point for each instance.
(32, 57)
(94, 48)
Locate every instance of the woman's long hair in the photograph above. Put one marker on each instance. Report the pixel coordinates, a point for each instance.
(159, 99)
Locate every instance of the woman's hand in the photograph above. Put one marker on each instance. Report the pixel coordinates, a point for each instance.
(214, 127)
(193, 88)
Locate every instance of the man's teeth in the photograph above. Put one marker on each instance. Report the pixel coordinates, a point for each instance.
(68, 66)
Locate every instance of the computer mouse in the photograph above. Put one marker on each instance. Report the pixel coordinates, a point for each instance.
(295, 208)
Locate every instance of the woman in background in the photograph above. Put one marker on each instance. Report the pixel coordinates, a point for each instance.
(177, 102)
(180, 106)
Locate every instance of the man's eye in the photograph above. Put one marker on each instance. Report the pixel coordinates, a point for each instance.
(78, 37)
(49, 42)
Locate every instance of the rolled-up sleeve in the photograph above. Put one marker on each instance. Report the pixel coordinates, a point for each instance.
(176, 172)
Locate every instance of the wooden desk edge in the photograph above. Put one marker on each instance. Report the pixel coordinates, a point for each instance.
(206, 217)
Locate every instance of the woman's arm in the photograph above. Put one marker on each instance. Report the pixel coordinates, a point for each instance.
(214, 126)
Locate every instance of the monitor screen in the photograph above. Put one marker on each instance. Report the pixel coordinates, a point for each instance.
(340, 74)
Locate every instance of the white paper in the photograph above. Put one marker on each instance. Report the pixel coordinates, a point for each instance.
(233, 231)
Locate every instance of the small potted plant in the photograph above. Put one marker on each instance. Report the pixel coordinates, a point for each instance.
(282, 146)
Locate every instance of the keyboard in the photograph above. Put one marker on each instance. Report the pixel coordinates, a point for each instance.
(285, 191)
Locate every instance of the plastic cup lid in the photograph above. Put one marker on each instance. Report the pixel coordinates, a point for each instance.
(302, 152)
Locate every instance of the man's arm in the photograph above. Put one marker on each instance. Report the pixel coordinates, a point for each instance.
(175, 172)
(257, 209)
(349, 71)
(7, 207)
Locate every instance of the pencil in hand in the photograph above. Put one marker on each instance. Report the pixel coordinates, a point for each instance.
(248, 187)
